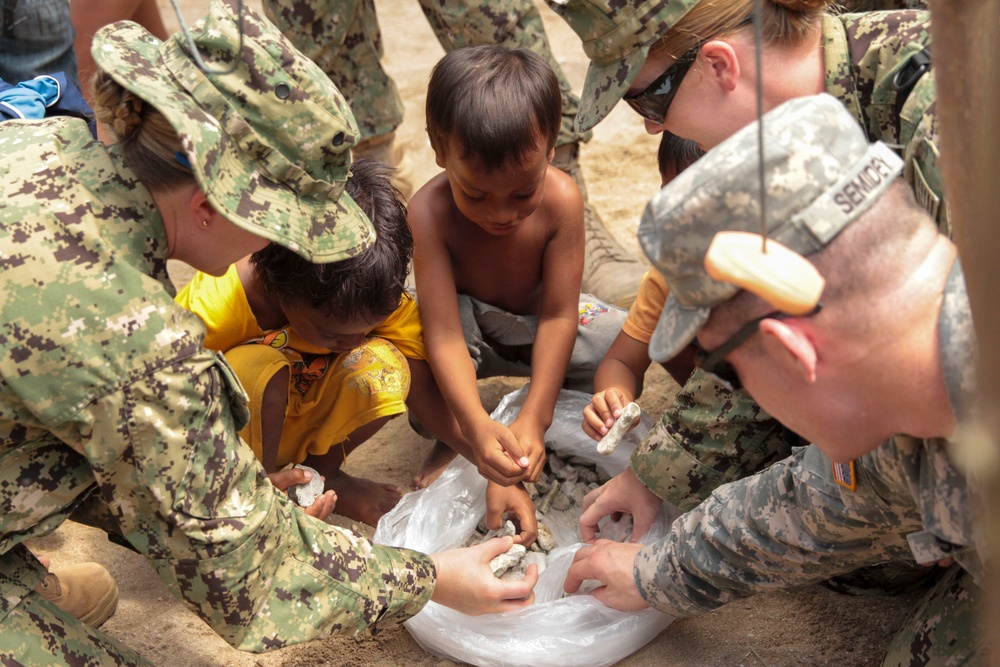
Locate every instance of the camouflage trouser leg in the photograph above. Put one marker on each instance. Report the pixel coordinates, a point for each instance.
(343, 37)
(39, 634)
(942, 631)
(512, 23)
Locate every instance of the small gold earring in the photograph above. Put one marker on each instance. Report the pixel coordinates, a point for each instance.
(204, 223)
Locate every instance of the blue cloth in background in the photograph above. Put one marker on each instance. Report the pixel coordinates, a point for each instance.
(45, 95)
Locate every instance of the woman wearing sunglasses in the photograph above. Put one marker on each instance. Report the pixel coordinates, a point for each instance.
(689, 67)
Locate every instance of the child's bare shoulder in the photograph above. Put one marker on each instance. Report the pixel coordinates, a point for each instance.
(561, 191)
(432, 202)
(563, 203)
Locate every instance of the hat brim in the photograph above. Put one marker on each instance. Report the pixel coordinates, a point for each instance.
(676, 328)
(605, 86)
(319, 229)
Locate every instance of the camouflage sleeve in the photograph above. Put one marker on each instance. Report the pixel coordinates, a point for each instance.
(787, 526)
(855, 6)
(878, 48)
(343, 37)
(511, 23)
(710, 436)
(188, 494)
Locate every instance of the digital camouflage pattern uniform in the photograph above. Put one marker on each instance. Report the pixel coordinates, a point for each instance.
(796, 523)
(880, 5)
(711, 434)
(111, 411)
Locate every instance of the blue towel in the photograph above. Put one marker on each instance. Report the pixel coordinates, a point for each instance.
(45, 95)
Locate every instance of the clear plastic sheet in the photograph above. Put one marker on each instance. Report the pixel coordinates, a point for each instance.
(555, 631)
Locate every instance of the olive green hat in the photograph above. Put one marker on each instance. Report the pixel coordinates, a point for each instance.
(267, 134)
(820, 174)
(616, 37)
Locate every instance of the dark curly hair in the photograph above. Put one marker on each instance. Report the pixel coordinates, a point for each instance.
(368, 285)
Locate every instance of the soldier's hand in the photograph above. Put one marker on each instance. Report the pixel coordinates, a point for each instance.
(465, 581)
(623, 494)
(612, 565)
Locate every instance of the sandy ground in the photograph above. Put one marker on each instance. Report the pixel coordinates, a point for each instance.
(807, 626)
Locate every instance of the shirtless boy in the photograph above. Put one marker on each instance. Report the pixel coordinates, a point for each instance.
(498, 253)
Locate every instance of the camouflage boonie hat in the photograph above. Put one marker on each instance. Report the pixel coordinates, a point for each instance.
(820, 173)
(616, 37)
(269, 142)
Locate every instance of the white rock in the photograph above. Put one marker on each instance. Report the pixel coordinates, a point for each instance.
(617, 431)
(507, 559)
(306, 494)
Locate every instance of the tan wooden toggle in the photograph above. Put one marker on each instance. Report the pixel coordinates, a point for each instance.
(780, 276)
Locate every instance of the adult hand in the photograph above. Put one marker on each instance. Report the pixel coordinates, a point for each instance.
(512, 500)
(497, 453)
(322, 507)
(612, 564)
(605, 407)
(465, 581)
(623, 494)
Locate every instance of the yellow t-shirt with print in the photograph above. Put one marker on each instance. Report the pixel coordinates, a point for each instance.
(222, 305)
(329, 395)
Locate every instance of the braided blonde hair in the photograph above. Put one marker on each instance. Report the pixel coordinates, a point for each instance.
(149, 143)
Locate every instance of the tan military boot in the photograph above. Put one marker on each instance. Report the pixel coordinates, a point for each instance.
(386, 149)
(610, 272)
(86, 591)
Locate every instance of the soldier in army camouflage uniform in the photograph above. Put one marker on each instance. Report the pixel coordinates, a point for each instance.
(712, 434)
(890, 351)
(111, 410)
(344, 38)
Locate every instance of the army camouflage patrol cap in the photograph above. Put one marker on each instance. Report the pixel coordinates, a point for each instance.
(268, 138)
(820, 174)
(616, 37)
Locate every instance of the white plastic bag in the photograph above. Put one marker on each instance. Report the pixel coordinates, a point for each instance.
(555, 631)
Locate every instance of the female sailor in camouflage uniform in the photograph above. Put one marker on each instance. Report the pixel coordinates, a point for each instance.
(111, 411)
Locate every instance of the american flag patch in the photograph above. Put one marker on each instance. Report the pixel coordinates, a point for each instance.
(843, 474)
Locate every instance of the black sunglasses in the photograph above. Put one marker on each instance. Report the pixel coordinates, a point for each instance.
(653, 101)
(709, 361)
